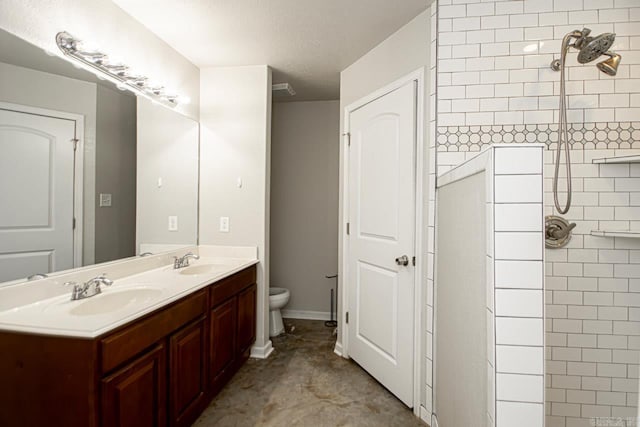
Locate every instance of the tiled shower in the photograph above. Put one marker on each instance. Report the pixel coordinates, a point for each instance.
(495, 85)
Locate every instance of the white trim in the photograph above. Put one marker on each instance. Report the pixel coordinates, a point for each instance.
(418, 77)
(78, 176)
(421, 223)
(306, 315)
(338, 349)
(262, 352)
(424, 414)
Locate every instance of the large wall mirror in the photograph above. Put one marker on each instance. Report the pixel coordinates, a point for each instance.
(88, 173)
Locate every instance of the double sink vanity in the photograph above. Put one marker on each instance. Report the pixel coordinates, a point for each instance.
(147, 341)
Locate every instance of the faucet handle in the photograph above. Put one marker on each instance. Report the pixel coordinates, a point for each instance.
(102, 279)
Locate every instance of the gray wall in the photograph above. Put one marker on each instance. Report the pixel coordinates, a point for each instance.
(405, 51)
(115, 174)
(235, 133)
(304, 201)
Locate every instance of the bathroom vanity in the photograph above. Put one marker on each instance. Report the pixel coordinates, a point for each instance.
(160, 368)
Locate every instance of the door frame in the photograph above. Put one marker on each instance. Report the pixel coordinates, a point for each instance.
(419, 283)
(78, 170)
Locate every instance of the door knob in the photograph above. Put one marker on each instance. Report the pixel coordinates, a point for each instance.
(403, 260)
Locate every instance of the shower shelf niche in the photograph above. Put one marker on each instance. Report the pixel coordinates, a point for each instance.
(633, 234)
(617, 159)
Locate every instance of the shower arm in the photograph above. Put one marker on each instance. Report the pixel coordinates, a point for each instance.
(576, 34)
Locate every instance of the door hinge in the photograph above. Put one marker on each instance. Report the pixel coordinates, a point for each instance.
(348, 229)
(75, 143)
(73, 223)
(347, 135)
(413, 260)
(347, 317)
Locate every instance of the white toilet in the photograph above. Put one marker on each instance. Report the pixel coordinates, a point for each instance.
(278, 298)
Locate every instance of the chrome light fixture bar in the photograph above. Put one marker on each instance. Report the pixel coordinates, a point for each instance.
(119, 74)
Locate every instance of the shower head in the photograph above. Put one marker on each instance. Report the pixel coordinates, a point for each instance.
(592, 47)
(609, 66)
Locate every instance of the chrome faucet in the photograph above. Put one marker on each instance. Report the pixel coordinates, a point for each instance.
(183, 261)
(89, 288)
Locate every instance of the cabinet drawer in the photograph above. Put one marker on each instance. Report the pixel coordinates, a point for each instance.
(230, 286)
(126, 343)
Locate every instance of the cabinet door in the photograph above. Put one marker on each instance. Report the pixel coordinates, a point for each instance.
(223, 337)
(135, 396)
(187, 373)
(246, 318)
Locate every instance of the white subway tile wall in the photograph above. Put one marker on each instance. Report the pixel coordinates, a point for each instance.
(431, 215)
(514, 280)
(502, 49)
(506, 93)
(517, 284)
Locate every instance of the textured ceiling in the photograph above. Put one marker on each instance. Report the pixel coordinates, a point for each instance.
(306, 42)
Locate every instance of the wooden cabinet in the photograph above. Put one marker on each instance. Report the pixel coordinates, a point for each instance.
(246, 334)
(223, 338)
(188, 373)
(233, 332)
(135, 396)
(161, 369)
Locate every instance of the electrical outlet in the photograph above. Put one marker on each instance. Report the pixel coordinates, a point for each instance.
(105, 200)
(224, 224)
(173, 223)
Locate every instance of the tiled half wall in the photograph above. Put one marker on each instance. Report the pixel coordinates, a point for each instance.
(592, 286)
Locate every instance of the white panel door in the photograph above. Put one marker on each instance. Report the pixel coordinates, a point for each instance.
(382, 228)
(36, 194)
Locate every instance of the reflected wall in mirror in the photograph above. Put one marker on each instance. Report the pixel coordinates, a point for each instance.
(70, 145)
(168, 147)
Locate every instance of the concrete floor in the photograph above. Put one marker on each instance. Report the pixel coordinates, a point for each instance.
(303, 383)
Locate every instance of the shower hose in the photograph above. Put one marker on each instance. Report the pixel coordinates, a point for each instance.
(563, 134)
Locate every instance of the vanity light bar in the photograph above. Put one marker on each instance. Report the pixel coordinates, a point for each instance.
(119, 74)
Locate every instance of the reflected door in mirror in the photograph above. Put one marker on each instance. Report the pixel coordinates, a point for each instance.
(36, 194)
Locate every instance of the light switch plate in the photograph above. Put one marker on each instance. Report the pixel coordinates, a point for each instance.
(173, 223)
(224, 224)
(105, 200)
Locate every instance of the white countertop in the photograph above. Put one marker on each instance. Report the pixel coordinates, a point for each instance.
(151, 289)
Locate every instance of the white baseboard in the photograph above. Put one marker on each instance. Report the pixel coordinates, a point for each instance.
(338, 349)
(262, 352)
(307, 315)
(425, 415)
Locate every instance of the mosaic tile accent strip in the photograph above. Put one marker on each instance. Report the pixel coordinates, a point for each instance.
(587, 136)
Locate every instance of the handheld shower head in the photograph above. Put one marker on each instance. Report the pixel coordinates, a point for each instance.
(589, 48)
(592, 47)
(609, 66)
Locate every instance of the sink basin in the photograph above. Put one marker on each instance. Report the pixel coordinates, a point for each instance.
(108, 302)
(194, 270)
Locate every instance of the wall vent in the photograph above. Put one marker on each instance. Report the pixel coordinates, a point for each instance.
(282, 90)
